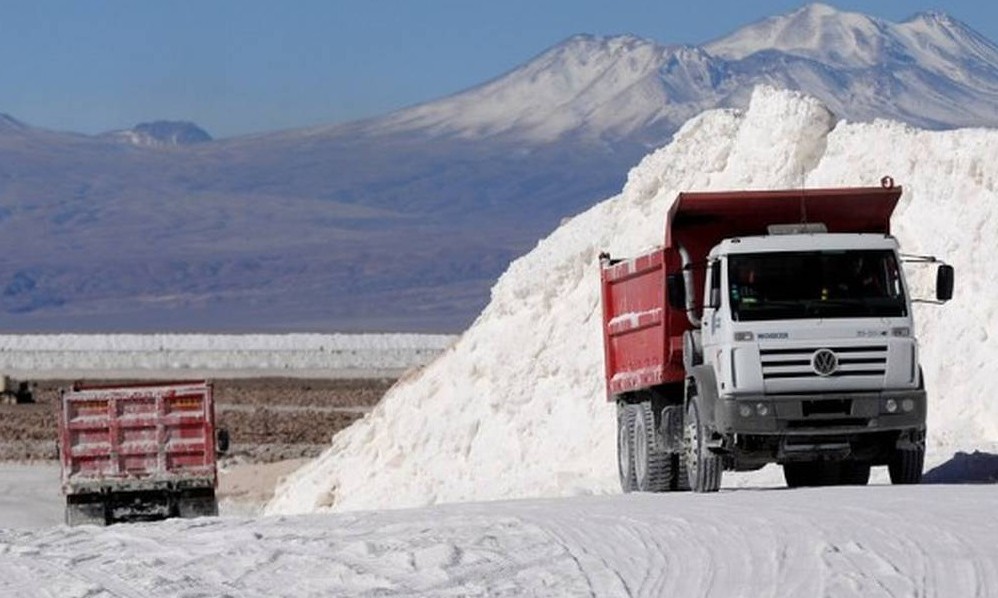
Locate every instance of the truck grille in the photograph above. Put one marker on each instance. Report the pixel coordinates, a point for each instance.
(812, 362)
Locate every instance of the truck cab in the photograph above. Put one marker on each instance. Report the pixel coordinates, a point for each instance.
(811, 344)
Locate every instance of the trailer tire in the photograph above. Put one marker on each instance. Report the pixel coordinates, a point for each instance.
(704, 468)
(905, 465)
(652, 464)
(626, 414)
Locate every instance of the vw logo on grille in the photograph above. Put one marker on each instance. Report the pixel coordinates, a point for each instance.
(824, 362)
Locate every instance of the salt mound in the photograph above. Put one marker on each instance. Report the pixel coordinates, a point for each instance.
(516, 407)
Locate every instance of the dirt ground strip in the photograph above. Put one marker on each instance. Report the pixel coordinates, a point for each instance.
(269, 419)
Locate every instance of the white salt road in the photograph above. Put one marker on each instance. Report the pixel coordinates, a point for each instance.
(30, 497)
(873, 541)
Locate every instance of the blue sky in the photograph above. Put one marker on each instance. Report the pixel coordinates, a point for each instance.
(243, 66)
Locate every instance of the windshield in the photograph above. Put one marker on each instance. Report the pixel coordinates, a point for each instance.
(815, 284)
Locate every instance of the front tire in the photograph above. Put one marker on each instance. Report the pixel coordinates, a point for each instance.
(704, 468)
(905, 465)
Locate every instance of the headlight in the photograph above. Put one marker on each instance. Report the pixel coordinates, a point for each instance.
(744, 410)
(762, 409)
(902, 331)
(907, 405)
(744, 337)
(891, 406)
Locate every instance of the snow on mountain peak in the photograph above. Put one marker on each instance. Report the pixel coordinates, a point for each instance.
(932, 40)
(606, 89)
(815, 31)
(947, 45)
(516, 408)
(586, 83)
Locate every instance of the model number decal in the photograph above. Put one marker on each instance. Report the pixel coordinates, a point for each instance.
(773, 335)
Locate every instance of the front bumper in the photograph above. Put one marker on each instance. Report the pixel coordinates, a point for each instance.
(820, 414)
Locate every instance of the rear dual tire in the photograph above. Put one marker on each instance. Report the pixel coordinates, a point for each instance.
(626, 414)
(652, 465)
(642, 464)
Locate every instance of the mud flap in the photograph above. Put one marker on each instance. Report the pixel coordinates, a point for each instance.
(671, 429)
(702, 377)
(86, 510)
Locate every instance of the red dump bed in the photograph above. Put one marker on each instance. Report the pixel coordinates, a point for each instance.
(642, 334)
(137, 437)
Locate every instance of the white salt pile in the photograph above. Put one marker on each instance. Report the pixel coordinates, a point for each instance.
(516, 408)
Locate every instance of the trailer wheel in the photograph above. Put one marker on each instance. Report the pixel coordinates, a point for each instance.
(626, 414)
(905, 465)
(652, 465)
(704, 468)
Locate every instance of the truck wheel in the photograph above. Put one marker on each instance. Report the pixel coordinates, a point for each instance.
(905, 465)
(626, 414)
(704, 468)
(652, 465)
(680, 476)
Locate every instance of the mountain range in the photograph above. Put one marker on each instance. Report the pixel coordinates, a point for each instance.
(403, 222)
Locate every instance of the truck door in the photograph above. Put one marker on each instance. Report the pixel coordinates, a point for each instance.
(713, 322)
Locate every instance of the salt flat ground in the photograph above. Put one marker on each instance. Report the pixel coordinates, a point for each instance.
(931, 540)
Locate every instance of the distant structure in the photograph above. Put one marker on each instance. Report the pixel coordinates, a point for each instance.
(163, 133)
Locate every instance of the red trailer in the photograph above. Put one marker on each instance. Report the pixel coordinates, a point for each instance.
(139, 451)
(746, 339)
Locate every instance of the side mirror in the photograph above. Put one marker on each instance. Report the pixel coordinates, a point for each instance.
(944, 282)
(675, 290)
(221, 441)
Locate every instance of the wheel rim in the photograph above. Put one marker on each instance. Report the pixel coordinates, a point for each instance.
(691, 442)
(623, 451)
(640, 450)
